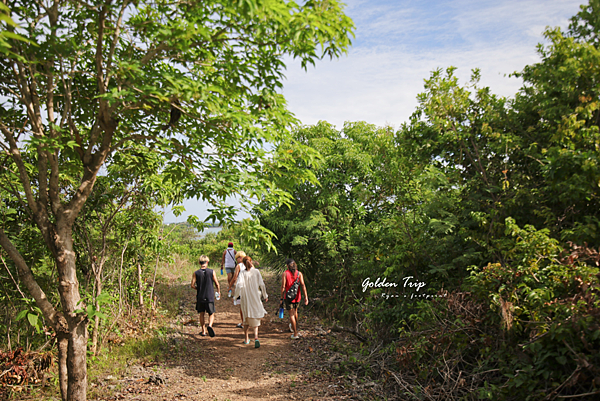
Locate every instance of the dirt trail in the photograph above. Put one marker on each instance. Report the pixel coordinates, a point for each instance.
(222, 368)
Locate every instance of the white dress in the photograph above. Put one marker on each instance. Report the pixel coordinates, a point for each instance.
(242, 268)
(251, 288)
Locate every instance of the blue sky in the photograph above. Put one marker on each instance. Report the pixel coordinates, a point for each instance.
(397, 45)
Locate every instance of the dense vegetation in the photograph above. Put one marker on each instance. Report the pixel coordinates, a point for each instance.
(483, 211)
(493, 204)
(109, 109)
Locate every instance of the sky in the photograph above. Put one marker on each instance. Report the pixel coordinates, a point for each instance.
(396, 46)
(398, 43)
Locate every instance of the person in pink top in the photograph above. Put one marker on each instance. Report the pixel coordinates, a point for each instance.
(290, 277)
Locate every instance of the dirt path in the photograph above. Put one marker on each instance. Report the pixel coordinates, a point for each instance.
(222, 368)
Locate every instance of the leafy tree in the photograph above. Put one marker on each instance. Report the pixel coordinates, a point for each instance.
(362, 218)
(492, 199)
(119, 208)
(557, 116)
(196, 82)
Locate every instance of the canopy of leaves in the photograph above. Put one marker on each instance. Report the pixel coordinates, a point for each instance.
(493, 204)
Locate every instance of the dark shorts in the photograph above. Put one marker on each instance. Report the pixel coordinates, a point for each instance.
(291, 305)
(205, 307)
(230, 270)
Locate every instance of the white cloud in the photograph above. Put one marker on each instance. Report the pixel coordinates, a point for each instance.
(398, 44)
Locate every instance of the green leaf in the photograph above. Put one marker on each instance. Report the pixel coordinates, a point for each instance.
(33, 319)
(21, 314)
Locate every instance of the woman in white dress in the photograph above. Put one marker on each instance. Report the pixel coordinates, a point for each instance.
(240, 267)
(251, 288)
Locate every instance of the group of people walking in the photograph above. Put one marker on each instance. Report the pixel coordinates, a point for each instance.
(247, 288)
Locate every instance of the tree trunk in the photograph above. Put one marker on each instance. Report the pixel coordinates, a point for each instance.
(63, 344)
(121, 273)
(154, 282)
(94, 346)
(140, 284)
(97, 269)
(77, 361)
(68, 288)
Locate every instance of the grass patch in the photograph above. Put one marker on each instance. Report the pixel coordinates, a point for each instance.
(170, 296)
(114, 361)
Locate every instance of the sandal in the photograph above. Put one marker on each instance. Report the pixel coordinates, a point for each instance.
(203, 335)
(246, 342)
(239, 325)
(256, 344)
(211, 332)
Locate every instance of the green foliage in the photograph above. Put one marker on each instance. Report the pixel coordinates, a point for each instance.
(111, 110)
(492, 203)
(34, 317)
(185, 241)
(547, 302)
(7, 31)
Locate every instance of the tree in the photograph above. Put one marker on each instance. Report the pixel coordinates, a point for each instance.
(104, 75)
(335, 229)
(558, 114)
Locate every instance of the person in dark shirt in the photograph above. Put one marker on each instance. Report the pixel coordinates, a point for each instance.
(202, 282)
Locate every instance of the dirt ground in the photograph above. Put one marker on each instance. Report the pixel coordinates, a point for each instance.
(222, 368)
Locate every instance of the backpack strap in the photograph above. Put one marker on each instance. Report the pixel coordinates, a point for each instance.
(231, 256)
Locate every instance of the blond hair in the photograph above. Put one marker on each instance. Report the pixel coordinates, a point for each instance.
(203, 259)
(240, 254)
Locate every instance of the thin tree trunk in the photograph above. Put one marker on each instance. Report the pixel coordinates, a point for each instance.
(140, 278)
(140, 284)
(8, 335)
(121, 272)
(97, 269)
(154, 281)
(95, 331)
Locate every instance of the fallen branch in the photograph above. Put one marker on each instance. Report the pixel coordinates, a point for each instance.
(6, 371)
(339, 329)
(578, 395)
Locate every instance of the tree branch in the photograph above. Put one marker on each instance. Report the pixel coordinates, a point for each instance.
(153, 52)
(13, 190)
(338, 329)
(31, 101)
(39, 213)
(52, 156)
(91, 167)
(27, 277)
(113, 45)
(23, 175)
(99, 56)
